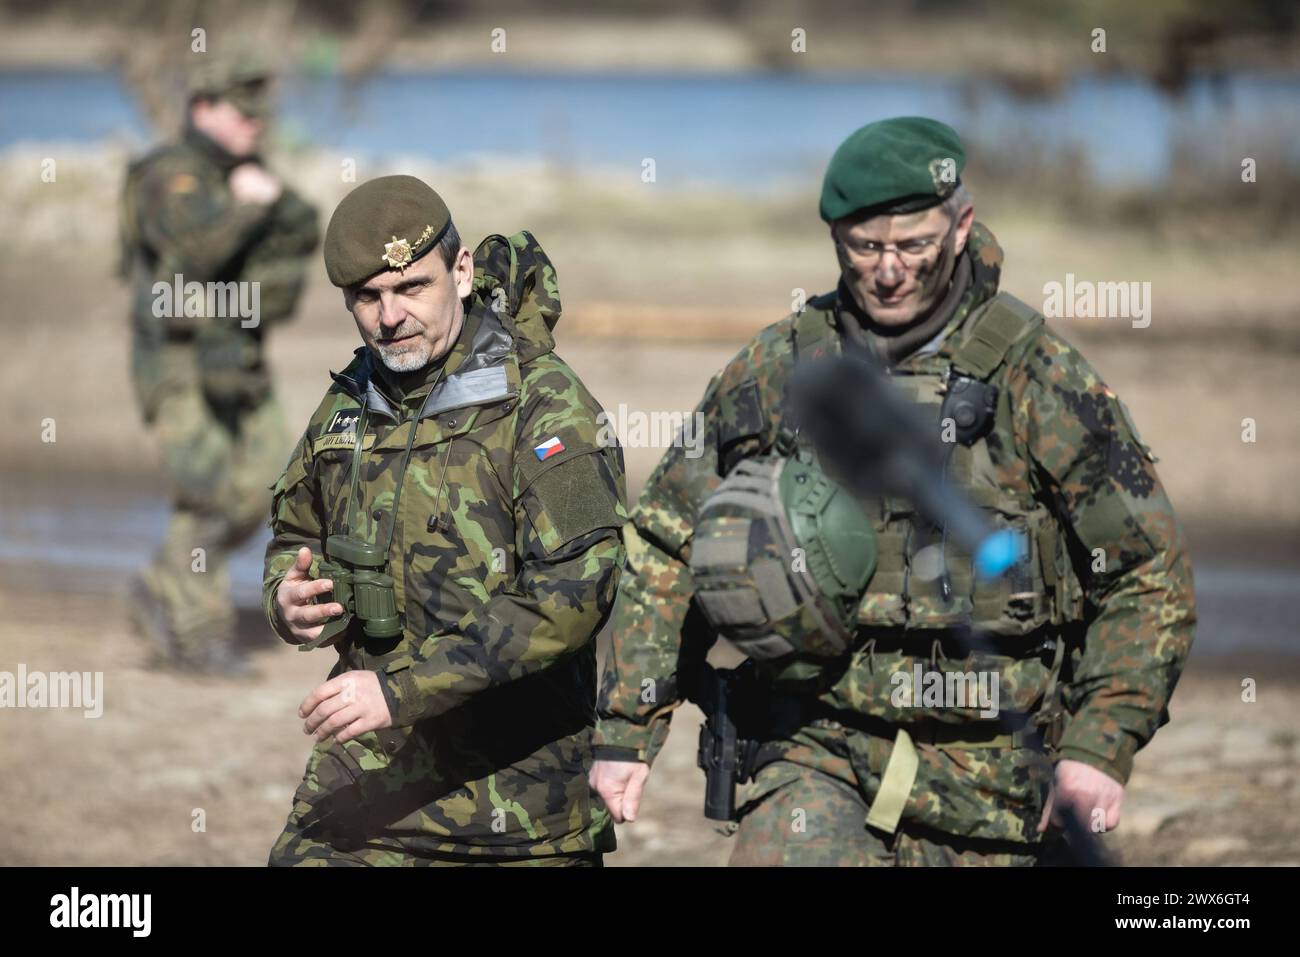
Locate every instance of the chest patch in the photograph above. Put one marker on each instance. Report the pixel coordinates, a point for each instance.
(345, 420)
(341, 433)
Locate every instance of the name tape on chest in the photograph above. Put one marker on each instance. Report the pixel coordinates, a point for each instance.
(343, 440)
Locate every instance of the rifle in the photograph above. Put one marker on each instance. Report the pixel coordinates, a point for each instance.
(881, 443)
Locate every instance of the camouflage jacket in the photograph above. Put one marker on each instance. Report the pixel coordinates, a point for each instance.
(506, 554)
(1061, 437)
(178, 218)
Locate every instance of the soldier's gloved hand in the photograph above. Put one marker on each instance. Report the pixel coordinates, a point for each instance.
(619, 784)
(255, 184)
(295, 601)
(346, 706)
(1092, 793)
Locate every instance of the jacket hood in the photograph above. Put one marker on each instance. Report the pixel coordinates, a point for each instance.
(515, 280)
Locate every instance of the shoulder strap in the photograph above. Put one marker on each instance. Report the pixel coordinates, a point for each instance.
(1002, 323)
(812, 325)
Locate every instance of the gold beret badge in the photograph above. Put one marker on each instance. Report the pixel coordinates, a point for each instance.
(399, 253)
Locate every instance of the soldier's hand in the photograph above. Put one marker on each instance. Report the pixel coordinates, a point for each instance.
(346, 706)
(619, 784)
(255, 184)
(1093, 794)
(295, 601)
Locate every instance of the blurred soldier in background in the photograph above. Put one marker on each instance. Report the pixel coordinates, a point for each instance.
(214, 246)
(1086, 634)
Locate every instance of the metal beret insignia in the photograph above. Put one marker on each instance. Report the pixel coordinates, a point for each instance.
(399, 253)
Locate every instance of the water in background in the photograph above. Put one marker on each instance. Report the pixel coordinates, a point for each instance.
(749, 131)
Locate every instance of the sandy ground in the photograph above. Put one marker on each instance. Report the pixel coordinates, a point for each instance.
(1216, 786)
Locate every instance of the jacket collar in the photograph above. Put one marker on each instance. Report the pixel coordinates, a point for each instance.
(211, 151)
(461, 379)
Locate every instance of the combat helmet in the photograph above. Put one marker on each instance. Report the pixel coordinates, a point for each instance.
(780, 559)
(243, 79)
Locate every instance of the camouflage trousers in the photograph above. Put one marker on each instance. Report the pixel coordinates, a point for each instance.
(808, 808)
(382, 799)
(221, 461)
(293, 849)
(342, 836)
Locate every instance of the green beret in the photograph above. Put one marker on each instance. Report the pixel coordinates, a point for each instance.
(901, 165)
(387, 223)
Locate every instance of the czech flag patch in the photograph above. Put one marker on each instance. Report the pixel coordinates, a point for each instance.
(551, 446)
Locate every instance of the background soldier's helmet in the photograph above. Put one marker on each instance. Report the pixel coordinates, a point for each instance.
(243, 80)
(780, 560)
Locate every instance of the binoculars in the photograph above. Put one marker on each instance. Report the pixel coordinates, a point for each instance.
(361, 587)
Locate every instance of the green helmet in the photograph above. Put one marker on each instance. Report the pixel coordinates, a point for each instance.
(242, 79)
(780, 559)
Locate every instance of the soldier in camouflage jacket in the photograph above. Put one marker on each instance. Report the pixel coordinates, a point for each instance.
(1087, 639)
(465, 738)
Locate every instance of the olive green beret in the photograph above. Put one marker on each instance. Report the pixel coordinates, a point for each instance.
(901, 165)
(387, 223)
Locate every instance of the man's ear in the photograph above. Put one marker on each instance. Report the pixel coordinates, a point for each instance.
(964, 223)
(462, 271)
(841, 256)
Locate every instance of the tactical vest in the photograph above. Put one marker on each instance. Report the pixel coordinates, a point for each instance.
(1041, 589)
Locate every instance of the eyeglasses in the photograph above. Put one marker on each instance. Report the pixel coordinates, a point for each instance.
(912, 252)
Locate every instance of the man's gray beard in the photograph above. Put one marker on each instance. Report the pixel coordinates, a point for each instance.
(405, 360)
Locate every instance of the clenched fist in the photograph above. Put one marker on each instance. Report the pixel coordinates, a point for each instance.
(251, 183)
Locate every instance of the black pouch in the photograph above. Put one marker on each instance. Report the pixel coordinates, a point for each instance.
(970, 404)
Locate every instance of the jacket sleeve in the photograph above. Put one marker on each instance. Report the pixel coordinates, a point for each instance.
(640, 686)
(568, 510)
(1130, 554)
(277, 259)
(194, 230)
(296, 520)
